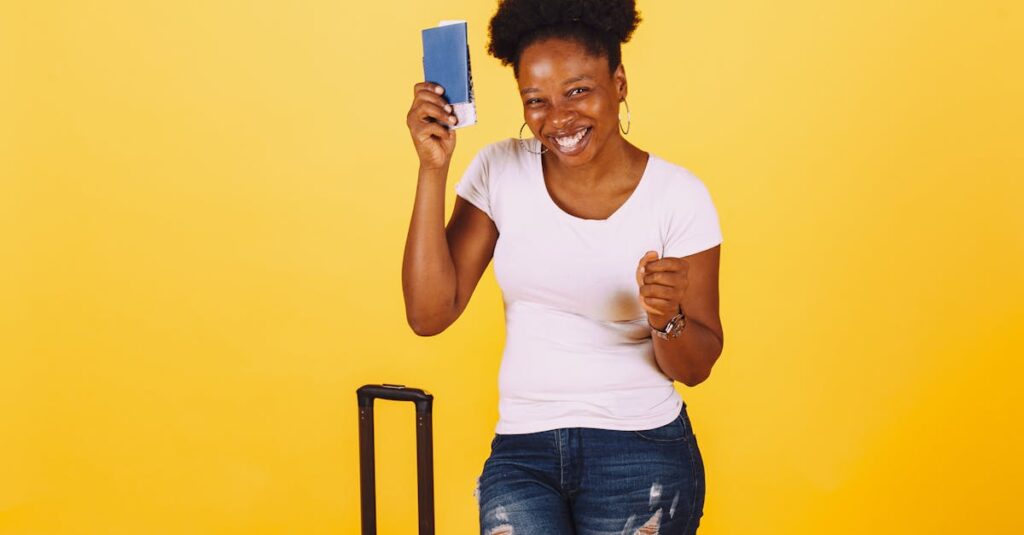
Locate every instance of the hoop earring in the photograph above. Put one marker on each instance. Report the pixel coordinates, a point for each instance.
(628, 122)
(522, 142)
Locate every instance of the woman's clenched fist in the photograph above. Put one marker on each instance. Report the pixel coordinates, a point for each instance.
(429, 119)
(662, 285)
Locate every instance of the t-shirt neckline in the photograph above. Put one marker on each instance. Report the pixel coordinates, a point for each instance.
(538, 173)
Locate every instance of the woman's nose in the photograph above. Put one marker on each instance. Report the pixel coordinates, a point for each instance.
(562, 117)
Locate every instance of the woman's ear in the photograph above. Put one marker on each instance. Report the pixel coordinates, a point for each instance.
(620, 81)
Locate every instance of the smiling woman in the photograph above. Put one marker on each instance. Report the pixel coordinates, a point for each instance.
(607, 257)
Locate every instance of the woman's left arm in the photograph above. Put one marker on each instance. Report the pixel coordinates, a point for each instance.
(690, 284)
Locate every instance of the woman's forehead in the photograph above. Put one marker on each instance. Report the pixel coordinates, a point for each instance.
(559, 61)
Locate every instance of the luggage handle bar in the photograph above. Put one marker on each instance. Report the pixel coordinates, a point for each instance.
(368, 393)
(424, 452)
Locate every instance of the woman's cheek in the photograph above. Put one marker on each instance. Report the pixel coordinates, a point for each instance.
(535, 119)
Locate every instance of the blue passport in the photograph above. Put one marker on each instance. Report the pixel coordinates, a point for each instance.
(446, 62)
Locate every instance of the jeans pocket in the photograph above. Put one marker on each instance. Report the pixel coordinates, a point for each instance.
(674, 431)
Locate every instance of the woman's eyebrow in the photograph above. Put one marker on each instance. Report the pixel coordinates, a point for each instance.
(574, 79)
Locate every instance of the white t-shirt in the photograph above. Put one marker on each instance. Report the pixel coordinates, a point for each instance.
(578, 349)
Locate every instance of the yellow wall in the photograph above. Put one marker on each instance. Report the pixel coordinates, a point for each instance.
(203, 207)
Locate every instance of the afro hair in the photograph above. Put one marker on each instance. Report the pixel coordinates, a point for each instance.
(600, 26)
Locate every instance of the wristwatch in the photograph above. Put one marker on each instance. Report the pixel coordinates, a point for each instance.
(672, 328)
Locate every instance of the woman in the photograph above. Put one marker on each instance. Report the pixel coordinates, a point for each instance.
(607, 257)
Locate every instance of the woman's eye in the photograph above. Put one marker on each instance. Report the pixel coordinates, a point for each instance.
(532, 101)
(573, 92)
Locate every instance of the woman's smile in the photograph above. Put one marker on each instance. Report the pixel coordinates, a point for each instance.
(571, 143)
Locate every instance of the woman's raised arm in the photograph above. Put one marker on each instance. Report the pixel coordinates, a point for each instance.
(442, 265)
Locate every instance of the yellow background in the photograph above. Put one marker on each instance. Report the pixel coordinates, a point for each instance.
(203, 209)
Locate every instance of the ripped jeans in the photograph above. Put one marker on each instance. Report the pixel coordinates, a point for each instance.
(587, 481)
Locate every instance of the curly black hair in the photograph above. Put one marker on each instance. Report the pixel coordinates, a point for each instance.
(600, 26)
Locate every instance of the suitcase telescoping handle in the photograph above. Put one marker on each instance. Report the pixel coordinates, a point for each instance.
(424, 452)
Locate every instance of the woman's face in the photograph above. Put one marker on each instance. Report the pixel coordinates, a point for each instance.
(570, 100)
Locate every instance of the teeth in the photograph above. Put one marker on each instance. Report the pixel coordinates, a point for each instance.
(569, 142)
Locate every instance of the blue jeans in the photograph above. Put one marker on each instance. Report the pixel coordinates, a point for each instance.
(587, 481)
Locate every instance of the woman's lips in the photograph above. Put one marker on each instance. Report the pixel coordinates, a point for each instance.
(574, 143)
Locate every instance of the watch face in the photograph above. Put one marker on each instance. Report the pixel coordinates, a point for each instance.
(672, 328)
(675, 325)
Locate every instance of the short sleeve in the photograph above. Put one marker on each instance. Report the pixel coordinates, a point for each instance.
(474, 186)
(692, 220)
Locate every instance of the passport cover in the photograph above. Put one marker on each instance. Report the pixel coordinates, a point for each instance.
(446, 62)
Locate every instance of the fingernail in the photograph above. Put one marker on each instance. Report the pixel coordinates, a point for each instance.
(448, 108)
(438, 89)
(452, 119)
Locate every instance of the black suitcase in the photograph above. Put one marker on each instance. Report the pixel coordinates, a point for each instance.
(424, 452)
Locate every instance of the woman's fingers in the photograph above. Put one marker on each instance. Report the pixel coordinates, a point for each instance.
(662, 307)
(655, 306)
(425, 132)
(669, 263)
(657, 279)
(425, 95)
(665, 278)
(427, 98)
(648, 308)
(427, 111)
(647, 257)
(659, 303)
(429, 120)
(428, 106)
(428, 86)
(657, 290)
